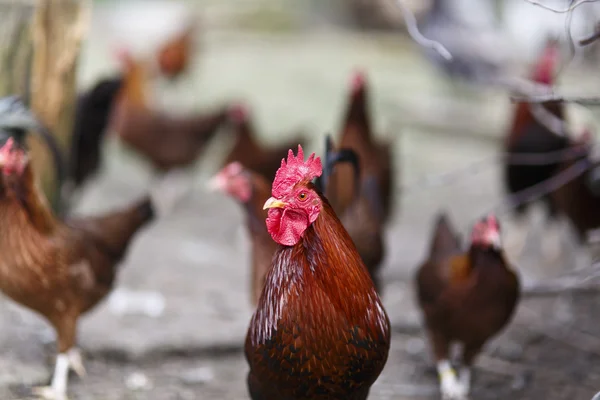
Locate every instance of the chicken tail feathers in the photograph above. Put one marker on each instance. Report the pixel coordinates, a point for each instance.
(170, 191)
(445, 239)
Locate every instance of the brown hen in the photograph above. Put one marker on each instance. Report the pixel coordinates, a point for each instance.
(251, 190)
(361, 218)
(249, 152)
(375, 156)
(466, 297)
(168, 142)
(58, 269)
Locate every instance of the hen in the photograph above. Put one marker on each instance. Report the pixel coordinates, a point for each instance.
(320, 330)
(375, 157)
(579, 199)
(168, 142)
(528, 135)
(249, 152)
(251, 190)
(362, 217)
(59, 269)
(466, 297)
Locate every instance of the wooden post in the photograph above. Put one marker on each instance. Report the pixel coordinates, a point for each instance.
(39, 46)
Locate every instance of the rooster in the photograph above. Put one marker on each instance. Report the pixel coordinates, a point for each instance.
(528, 135)
(362, 217)
(60, 269)
(249, 152)
(320, 330)
(466, 297)
(375, 157)
(167, 141)
(251, 190)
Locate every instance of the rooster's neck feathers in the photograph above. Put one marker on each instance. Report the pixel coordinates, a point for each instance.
(323, 265)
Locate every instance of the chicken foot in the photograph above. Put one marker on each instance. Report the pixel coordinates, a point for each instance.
(58, 386)
(451, 387)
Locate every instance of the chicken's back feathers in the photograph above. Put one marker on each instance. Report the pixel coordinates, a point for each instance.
(320, 330)
(91, 120)
(251, 154)
(445, 240)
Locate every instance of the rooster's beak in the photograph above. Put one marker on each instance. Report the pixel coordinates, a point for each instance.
(272, 202)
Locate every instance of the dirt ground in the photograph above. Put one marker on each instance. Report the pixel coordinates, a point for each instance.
(175, 325)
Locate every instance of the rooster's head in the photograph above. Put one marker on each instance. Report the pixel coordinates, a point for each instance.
(233, 180)
(12, 158)
(486, 233)
(294, 204)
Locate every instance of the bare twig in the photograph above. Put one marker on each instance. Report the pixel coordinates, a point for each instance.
(540, 189)
(573, 6)
(413, 31)
(592, 38)
(559, 286)
(586, 101)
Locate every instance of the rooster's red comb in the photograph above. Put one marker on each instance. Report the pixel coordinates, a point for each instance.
(295, 170)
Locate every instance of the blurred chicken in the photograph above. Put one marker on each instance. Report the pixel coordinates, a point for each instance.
(251, 190)
(61, 269)
(320, 330)
(466, 297)
(528, 135)
(579, 199)
(92, 114)
(174, 56)
(360, 218)
(249, 152)
(168, 142)
(375, 157)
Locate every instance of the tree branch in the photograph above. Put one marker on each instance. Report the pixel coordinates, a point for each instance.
(564, 11)
(413, 31)
(592, 38)
(585, 101)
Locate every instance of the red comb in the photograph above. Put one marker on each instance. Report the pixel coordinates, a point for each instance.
(8, 146)
(295, 170)
(123, 55)
(239, 112)
(358, 80)
(546, 66)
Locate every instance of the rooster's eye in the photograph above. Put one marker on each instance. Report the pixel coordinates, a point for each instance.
(302, 196)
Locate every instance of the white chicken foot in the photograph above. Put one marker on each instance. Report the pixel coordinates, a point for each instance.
(450, 386)
(58, 387)
(76, 362)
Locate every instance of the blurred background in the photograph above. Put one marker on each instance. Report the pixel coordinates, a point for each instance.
(174, 326)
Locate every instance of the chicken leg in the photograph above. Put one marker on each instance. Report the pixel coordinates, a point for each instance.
(450, 386)
(58, 386)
